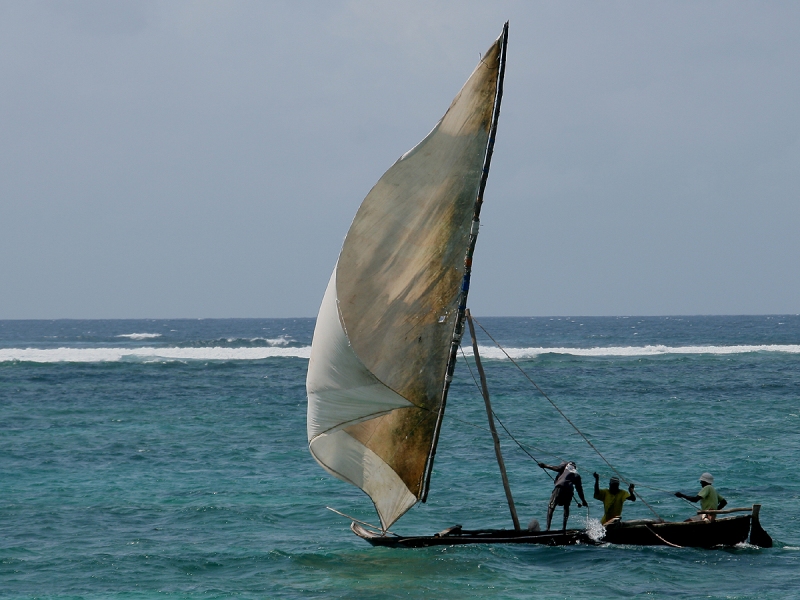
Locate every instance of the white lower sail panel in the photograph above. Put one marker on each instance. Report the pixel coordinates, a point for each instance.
(348, 459)
(342, 392)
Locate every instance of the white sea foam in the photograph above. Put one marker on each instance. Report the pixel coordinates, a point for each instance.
(278, 341)
(139, 336)
(87, 355)
(594, 529)
(281, 341)
(746, 546)
(53, 355)
(492, 352)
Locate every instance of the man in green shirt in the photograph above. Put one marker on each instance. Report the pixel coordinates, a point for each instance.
(707, 496)
(612, 497)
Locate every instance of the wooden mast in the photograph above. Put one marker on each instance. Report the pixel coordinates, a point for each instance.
(490, 414)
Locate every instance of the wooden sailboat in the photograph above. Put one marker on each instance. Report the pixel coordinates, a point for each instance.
(726, 531)
(393, 316)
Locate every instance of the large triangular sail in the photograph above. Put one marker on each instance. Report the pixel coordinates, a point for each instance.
(393, 313)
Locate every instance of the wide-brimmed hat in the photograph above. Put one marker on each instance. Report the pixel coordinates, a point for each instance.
(707, 478)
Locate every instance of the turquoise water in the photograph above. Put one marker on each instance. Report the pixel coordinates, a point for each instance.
(174, 464)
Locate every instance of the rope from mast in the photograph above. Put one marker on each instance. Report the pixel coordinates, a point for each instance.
(509, 434)
(566, 418)
(494, 414)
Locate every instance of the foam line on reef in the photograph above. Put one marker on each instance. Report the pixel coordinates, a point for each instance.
(492, 352)
(152, 354)
(88, 355)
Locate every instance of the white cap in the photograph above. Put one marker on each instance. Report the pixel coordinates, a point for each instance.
(707, 477)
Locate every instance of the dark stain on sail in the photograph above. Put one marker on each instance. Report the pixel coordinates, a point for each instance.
(408, 432)
(401, 268)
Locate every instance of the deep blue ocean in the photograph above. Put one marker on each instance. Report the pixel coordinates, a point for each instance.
(168, 459)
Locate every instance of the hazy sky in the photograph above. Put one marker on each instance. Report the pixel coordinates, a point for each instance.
(205, 159)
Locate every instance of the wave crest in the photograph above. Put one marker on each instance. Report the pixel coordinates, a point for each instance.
(260, 352)
(492, 352)
(233, 342)
(87, 355)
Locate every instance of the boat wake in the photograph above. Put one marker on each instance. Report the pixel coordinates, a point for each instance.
(746, 546)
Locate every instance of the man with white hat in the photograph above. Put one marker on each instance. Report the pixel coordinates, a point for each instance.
(707, 496)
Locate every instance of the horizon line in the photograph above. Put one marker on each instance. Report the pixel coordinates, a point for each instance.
(566, 316)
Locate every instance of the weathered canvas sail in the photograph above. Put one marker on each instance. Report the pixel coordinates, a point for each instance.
(383, 343)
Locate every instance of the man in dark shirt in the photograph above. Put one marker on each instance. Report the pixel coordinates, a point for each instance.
(567, 481)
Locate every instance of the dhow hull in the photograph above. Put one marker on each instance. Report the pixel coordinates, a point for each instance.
(723, 532)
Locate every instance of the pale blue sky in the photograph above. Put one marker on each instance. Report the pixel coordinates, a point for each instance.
(205, 159)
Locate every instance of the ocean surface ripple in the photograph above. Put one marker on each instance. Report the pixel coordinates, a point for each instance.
(168, 458)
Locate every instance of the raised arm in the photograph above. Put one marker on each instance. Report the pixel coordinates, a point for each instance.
(551, 467)
(631, 495)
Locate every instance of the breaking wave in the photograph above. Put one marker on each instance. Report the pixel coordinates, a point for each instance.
(493, 352)
(139, 336)
(281, 347)
(88, 355)
(233, 342)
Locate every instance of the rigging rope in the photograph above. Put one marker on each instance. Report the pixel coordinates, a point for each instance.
(482, 428)
(517, 442)
(494, 414)
(670, 492)
(566, 418)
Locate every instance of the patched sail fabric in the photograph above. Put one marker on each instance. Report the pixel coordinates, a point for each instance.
(382, 343)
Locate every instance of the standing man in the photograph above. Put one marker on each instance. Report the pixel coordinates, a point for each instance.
(707, 496)
(612, 498)
(565, 484)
